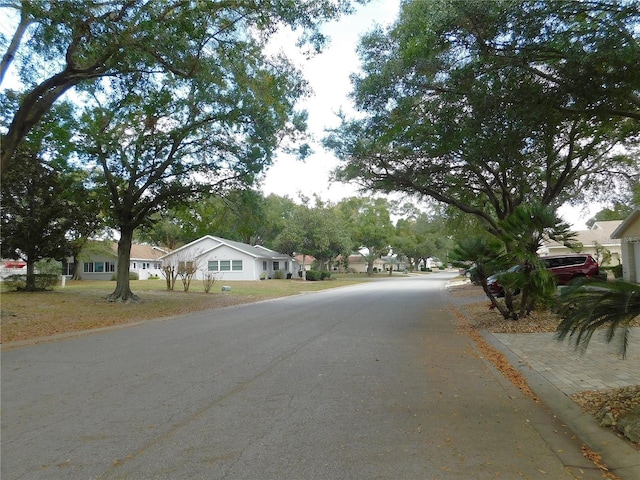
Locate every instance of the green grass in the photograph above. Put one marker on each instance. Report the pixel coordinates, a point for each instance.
(81, 305)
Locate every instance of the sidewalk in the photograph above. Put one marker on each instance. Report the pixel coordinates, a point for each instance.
(555, 370)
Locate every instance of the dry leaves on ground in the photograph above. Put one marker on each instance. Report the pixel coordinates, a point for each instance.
(479, 315)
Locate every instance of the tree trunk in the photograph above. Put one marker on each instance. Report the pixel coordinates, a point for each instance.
(495, 304)
(123, 292)
(30, 285)
(304, 268)
(77, 275)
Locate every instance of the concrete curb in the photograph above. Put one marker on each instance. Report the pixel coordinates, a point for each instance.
(619, 457)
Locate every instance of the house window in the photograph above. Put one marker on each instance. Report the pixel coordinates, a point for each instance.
(276, 266)
(224, 265)
(264, 265)
(67, 268)
(99, 267)
(185, 267)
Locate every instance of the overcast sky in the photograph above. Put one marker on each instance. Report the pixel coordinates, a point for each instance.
(328, 76)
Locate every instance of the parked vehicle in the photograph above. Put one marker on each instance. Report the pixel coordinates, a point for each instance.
(567, 267)
(563, 267)
(494, 286)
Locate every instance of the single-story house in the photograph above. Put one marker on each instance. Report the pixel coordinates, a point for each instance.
(598, 236)
(101, 262)
(229, 260)
(357, 263)
(628, 232)
(304, 260)
(12, 267)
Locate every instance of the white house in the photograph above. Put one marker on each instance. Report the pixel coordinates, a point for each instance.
(101, 263)
(357, 263)
(229, 260)
(12, 267)
(598, 236)
(629, 235)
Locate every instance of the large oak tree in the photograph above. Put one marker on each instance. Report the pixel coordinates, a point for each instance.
(486, 106)
(61, 44)
(156, 141)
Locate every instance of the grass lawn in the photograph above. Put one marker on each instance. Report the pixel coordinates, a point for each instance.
(81, 305)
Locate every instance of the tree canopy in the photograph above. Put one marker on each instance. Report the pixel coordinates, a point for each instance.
(486, 106)
(36, 214)
(60, 45)
(369, 223)
(316, 231)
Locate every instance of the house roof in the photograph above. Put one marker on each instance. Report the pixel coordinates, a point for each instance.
(601, 233)
(632, 218)
(146, 252)
(359, 258)
(256, 251)
(308, 259)
(142, 252)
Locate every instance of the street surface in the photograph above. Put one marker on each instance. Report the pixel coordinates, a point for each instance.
(364, 382)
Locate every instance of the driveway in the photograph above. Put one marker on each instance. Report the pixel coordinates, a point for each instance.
(362, 382)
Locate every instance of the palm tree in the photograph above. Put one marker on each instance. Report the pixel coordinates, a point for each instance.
(488, 257)
(590, 305)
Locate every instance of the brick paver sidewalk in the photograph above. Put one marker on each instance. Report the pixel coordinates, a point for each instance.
(600, 368)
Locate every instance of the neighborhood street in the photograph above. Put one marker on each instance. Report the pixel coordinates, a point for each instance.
(370, 381)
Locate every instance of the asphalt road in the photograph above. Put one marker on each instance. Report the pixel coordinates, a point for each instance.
(362, 382)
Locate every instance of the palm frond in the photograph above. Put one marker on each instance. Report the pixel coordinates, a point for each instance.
(592, 305)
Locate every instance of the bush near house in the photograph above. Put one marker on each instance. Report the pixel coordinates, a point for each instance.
(132, 276)
(43, 281)
(315, 275)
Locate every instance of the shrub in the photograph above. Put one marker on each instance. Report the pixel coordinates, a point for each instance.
(132, 276)
(325, 275)
(208, 280)
(279, 274)
(313, 275)
(617, 271)
(15, 282)
(43, 281)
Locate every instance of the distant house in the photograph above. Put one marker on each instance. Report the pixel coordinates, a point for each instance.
(357, 263)
(599, 235)
(12, 267)
(229, 260)
(101, 264)
(304, 260)
(628, 233)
